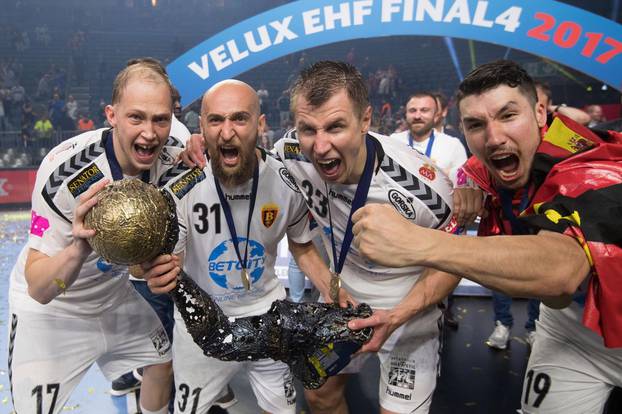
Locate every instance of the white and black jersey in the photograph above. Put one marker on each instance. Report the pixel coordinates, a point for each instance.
(66, 172)
(209, 254)
(403, 178)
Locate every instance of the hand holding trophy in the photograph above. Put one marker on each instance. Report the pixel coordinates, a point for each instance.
(135, 222)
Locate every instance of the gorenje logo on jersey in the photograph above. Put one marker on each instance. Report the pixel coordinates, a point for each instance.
(402, 204)
(225, 268)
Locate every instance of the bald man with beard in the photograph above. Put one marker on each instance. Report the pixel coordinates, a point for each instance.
(241, 194)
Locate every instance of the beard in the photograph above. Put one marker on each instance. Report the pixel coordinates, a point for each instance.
(422, 129)
(234, 176)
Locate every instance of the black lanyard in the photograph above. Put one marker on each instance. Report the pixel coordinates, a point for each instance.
(115, 168)
(229, 217)
(360, 197)
(428, 149)
(508, 211)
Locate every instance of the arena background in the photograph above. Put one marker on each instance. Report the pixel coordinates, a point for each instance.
(73, 49)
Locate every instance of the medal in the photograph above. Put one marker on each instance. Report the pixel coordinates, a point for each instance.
(226, 208)
(360, 197)
(335, 285)
(246, 279)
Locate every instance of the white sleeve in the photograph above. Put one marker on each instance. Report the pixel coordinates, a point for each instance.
(50, 226)
(183, 222)
(298, 228)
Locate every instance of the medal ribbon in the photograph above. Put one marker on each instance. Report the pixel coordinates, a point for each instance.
(360, 197)
(229, 217)
(428, 149)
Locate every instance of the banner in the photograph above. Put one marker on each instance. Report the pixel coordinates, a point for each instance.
(16, 185)
(562, 33)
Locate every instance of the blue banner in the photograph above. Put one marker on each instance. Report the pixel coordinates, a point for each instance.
(565, 34)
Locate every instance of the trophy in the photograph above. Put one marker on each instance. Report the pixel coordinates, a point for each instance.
(135, 222)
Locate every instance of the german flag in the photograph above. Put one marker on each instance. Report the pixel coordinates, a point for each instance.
(578, 176)
(575, 189)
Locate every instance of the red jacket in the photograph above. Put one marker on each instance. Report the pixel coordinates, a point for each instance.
(575, 189)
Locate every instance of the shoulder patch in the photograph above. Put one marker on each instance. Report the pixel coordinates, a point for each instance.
(85, 178)
(288, 179)
(402, 203)
(184, 184)
(291, 151)
(171, 173)
(70, 167)
(417, 188)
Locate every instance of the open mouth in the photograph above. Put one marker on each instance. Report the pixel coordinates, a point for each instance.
(230, 155)
(144, 152)
(506, 165)
(329, 167)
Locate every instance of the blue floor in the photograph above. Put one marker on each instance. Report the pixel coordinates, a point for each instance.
(93, 390)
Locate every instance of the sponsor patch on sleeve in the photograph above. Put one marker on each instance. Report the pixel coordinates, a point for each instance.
(291, 151)
(402, 203)
(88, 176)
(186, 182)
(288, 179)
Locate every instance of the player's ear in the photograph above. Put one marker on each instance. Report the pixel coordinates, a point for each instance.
(109, 110)
(366, 119)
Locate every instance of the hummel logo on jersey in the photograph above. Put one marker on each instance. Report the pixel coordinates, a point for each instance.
(87, 177)
(182, 186)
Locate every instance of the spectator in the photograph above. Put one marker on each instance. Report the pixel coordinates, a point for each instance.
(56, 108)
(85, 123)
(43, 88)
(596, 115)
(43, 127)
(28, 117)
(42, 35)
(545, 97)
(282, 104)
(263, 98)
(72, 108)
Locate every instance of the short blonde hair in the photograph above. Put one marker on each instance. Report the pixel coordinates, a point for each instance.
(145, 68)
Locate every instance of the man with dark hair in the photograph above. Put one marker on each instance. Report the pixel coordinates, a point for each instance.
(559, 198)
(339, 166)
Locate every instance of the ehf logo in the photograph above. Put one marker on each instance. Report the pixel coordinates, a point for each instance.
(226, 270)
